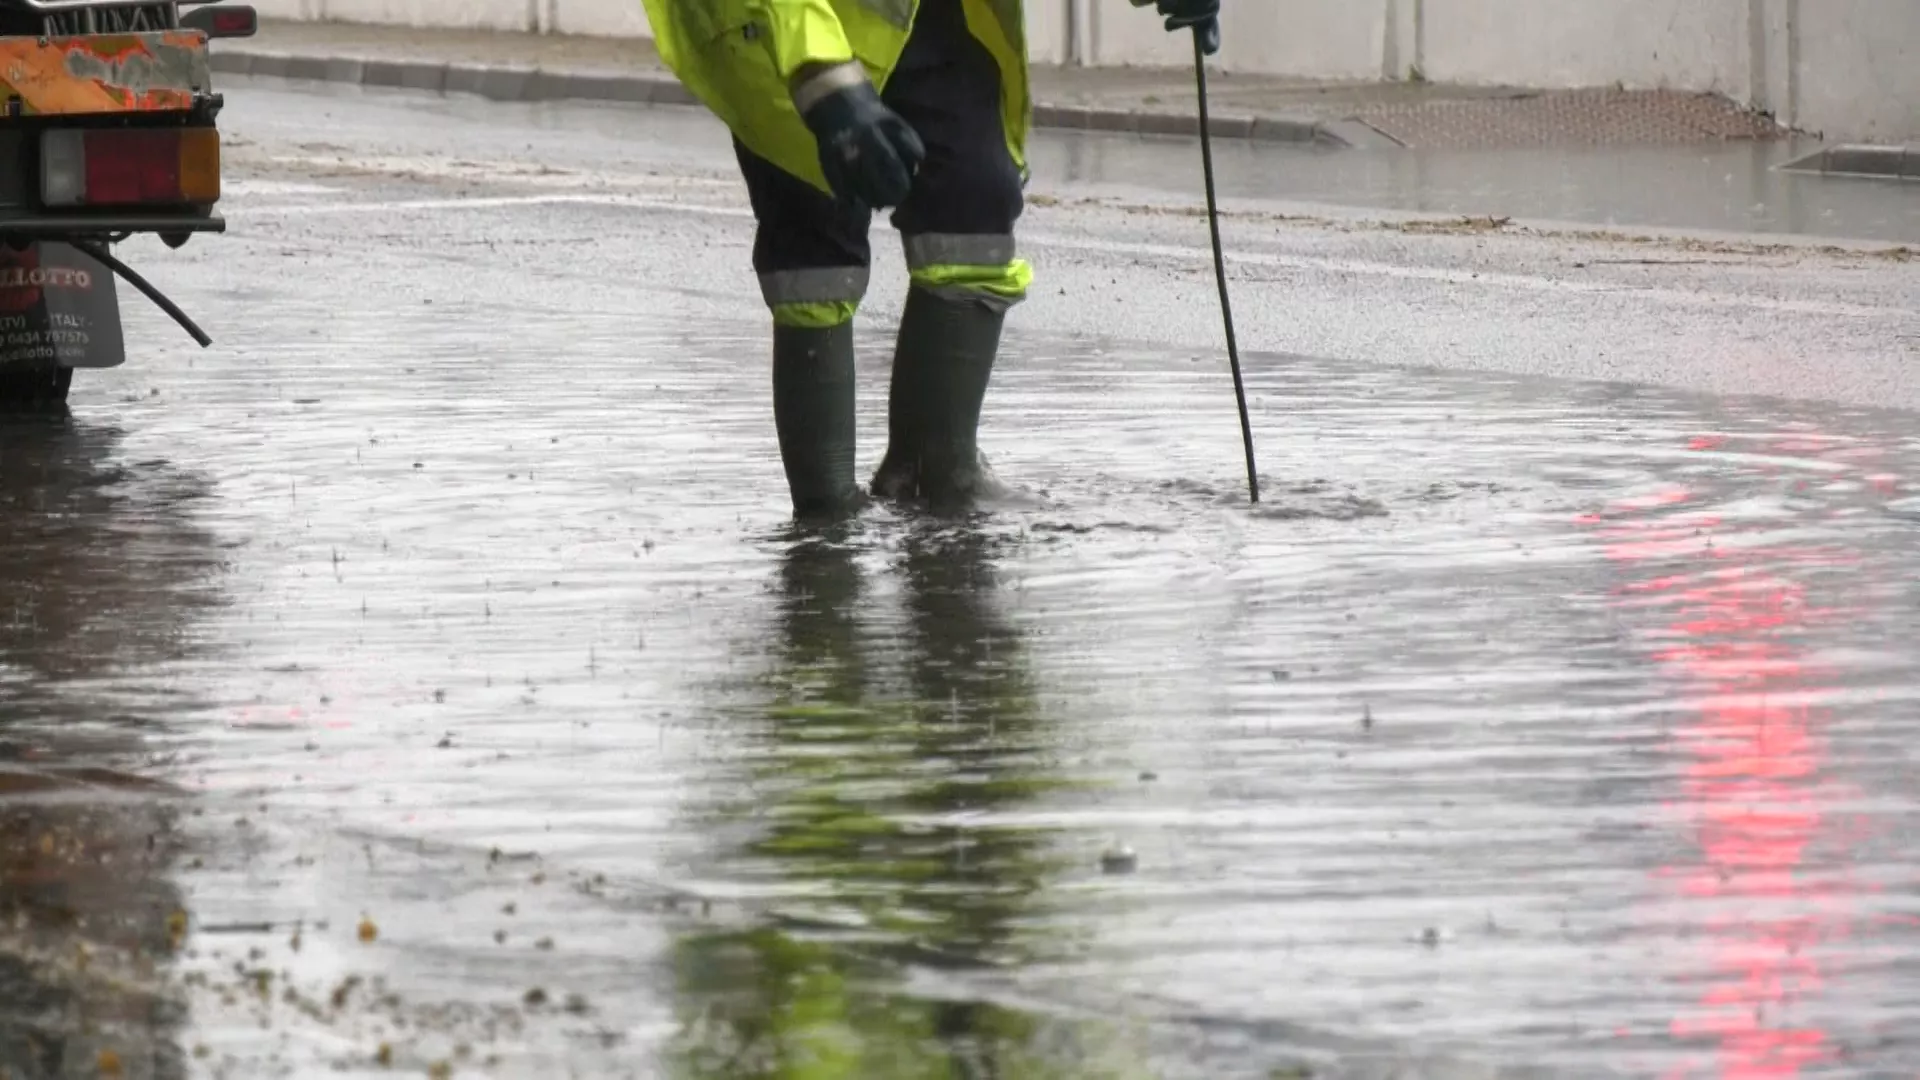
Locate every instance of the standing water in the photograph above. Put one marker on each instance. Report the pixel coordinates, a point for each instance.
(1524, 724)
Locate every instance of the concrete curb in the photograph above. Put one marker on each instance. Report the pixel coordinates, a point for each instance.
(1883, 162)
(534, 84)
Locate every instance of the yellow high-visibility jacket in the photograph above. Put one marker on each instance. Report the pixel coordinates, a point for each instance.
(739, 57)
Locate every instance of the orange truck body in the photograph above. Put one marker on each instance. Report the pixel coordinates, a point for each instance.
(159, 71)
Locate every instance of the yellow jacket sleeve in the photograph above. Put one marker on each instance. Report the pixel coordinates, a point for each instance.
(804, 33)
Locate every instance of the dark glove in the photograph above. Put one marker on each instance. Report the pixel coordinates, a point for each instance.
(869, 154)
(1202, 15)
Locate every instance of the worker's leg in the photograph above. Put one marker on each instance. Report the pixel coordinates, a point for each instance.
(812, 257)
(957, 228)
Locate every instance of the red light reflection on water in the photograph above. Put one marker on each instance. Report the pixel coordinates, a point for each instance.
(1753, 790)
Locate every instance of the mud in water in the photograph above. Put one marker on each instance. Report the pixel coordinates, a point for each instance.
(108, 575)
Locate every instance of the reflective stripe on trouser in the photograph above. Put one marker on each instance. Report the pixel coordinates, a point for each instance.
(814, 298)
(959, 218)
(982, 267)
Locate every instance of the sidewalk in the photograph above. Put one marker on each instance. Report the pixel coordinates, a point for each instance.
(530, 67)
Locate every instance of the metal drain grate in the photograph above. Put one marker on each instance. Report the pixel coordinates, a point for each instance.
(1598, 117)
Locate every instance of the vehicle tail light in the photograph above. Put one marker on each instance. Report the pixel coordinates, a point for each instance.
(130, 167)
(229, 21)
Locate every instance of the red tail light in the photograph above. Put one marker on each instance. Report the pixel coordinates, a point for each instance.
(140, 167)
(130, 167)
(232, 21)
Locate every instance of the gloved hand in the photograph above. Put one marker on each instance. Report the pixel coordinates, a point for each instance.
(1202, 15)
(869, 154)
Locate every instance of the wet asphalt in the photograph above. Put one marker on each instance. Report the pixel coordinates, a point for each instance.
(425, 679)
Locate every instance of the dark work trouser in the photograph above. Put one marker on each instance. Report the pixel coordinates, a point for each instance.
(812, 252)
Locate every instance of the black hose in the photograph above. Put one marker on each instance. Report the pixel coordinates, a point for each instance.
(112, 262)
(1220, 263)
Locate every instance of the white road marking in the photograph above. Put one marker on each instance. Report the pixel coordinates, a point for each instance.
(485, 202)
(255, 186)
(1484, 278)
(1132, 249)
(500, 172)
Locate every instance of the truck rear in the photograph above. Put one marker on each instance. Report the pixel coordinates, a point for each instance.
(108, 129)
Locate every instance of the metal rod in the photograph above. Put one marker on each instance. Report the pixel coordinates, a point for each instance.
(112, 262)
(1220, 263)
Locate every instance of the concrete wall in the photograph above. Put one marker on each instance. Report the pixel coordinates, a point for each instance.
(1854, 69)
(1696, 44)
(1047, 20)
(1847, 68)
(1329, 39)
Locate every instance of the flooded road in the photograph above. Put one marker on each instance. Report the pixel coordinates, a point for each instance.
(425, 680)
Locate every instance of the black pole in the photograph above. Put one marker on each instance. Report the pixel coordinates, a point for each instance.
(1220, 263)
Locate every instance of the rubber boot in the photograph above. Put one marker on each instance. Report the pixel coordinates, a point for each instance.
(813, 413)
(942, 364)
